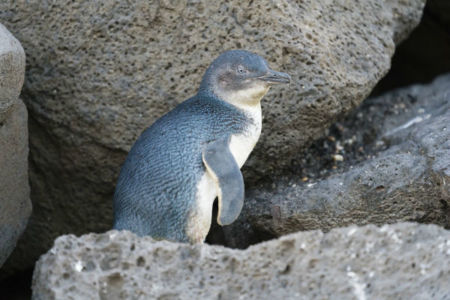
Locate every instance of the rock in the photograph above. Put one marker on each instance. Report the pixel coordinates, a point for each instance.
(407, 180)
(12, 69)
(398, 261)
(15, 205)
(99, 73)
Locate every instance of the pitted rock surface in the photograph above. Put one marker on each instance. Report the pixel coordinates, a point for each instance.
(407, 180)
(401, 261)
(15, 205)
(99, 72)
(12, 69)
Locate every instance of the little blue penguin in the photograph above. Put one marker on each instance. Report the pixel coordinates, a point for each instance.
(193, 154)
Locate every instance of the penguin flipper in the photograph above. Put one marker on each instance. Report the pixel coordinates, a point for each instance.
(222, 166)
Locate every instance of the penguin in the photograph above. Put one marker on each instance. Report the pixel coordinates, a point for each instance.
(193, 154)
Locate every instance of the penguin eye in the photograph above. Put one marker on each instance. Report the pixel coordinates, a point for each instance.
(241, 70)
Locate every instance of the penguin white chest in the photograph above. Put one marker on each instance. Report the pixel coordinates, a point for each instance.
(241, 145)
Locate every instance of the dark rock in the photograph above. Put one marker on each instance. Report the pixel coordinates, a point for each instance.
(407, 180)
(401, 261)
(425, 54)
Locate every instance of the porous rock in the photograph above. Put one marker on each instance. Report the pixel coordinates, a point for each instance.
(12, 69)
(401, 261)
(99, 72)
(407, 180)
(15, 205)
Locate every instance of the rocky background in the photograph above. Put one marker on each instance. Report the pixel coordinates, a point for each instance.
(99, 73)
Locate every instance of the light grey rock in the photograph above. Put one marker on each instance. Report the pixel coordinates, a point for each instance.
(401, 261)
(100, 72)
(409, 181)
(15, 205)
(12, 69)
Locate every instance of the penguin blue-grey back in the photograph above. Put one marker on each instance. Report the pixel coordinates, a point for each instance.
(191, 155)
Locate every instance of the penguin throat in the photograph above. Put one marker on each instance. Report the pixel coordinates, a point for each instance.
(246, 97)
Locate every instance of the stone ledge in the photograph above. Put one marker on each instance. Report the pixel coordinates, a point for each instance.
(400, 261)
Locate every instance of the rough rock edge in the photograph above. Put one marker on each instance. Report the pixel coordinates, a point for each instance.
(393, 261)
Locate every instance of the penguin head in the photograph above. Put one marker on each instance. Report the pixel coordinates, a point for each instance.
(240, 77)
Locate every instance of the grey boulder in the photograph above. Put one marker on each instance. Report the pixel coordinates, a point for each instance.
(15, 205)
(401, 261)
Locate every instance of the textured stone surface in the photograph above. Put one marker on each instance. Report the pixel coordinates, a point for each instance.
(408, 180)
(15, 205)
(12, 69)
(401, 261)
(100, 72)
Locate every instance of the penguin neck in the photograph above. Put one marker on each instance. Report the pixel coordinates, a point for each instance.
(248, 99)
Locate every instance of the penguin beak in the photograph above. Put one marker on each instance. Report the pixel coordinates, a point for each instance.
(274, 77)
